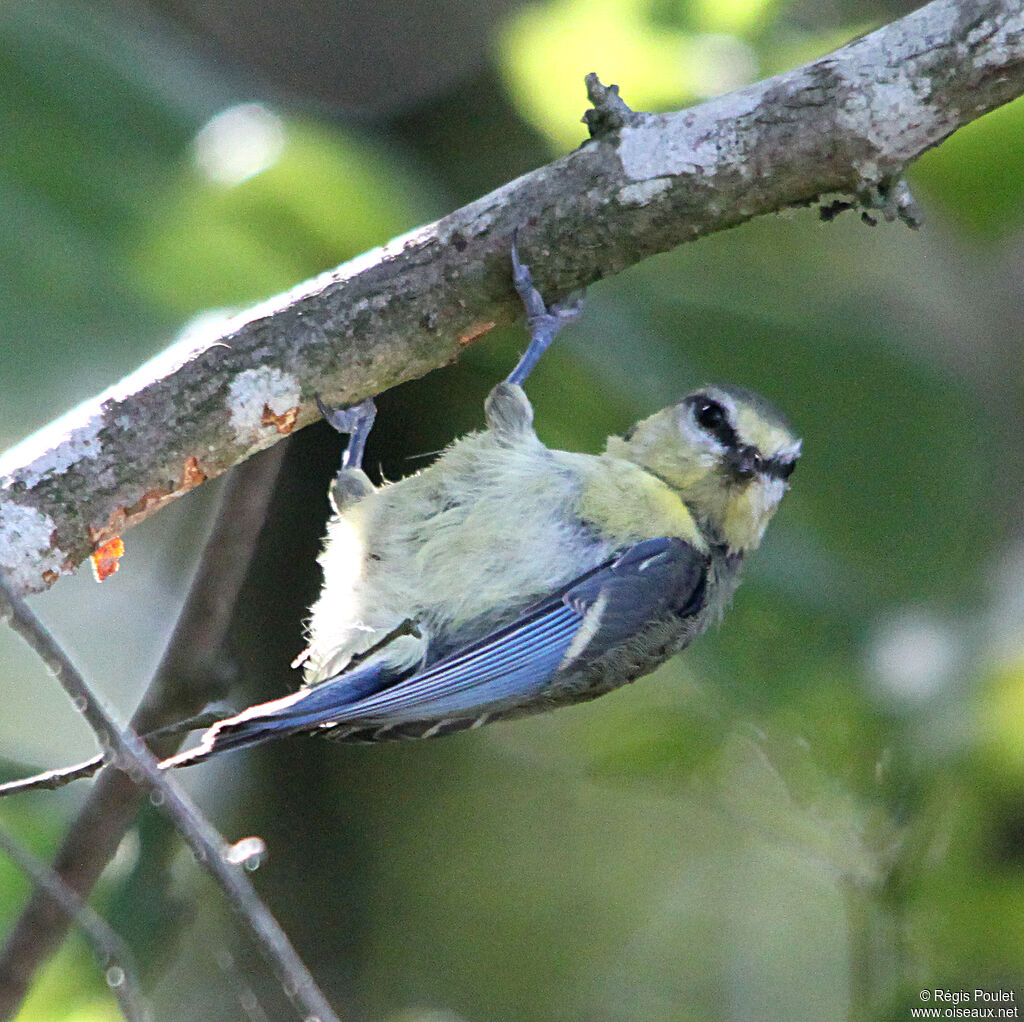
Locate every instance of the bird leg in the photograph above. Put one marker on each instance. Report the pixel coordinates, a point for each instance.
(544, 321)
(351, 483)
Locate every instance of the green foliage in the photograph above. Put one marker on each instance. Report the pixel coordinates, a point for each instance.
(669, 55)
(814, 813)
(326, 197)
(976, 175)
(71, 988)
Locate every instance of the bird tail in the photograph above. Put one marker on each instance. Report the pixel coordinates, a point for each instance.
(301, 711)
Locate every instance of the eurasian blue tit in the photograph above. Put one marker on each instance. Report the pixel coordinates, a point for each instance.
(508, 578)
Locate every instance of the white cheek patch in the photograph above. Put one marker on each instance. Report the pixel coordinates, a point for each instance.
(773, 491)
(700, 441)
(790, 452)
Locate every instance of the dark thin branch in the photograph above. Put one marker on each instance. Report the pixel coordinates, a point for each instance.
(125, 749)
(191, 675)
(50, 780)
(121, 975)
(849, 123)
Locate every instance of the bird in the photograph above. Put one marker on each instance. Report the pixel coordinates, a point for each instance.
(508, 578)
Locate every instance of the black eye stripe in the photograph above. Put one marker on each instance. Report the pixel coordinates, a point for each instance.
(726, 435)
(776, 468)
(713, 419)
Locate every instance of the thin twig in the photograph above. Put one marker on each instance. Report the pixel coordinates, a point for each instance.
(121, 974)
(51, 779)
(126, 750)
(190, 676)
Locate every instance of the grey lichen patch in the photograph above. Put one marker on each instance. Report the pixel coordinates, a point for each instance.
(667, 145)
(639, 193)
(887, 114)
(27, 556)
(252, 393)
(1003, 39)
(650, 151)
(886, 92)
(53, 449)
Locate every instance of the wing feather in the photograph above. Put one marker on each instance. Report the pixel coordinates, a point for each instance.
(575, 626)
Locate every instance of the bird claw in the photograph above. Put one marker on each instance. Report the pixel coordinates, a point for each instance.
(356, 421)
(348, 420)
(543, 320)
(568, 310)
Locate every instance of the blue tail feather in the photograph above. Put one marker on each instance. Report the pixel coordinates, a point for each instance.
(300, 711)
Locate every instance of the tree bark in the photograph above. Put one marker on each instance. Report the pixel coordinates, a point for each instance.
(849, 123)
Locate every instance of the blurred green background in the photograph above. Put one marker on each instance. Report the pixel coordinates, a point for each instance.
(811, 815)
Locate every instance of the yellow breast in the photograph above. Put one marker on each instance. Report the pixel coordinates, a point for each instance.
(627, 504)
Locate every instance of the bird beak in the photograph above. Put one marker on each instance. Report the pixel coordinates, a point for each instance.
(743, 462)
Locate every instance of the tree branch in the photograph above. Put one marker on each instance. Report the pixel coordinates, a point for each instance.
(849, 123)
(126, 750)
(50, 780)
(191, 674)
(122, 976)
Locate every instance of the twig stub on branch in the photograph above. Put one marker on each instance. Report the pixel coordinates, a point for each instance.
(609, 112)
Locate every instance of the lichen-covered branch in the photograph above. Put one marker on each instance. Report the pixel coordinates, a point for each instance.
(849, 123)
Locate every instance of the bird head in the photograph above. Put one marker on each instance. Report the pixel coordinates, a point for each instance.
(726, 451)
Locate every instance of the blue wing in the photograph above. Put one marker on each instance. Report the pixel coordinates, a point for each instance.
(513, 663)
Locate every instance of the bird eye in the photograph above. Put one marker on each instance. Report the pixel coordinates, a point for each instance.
(711, 416)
